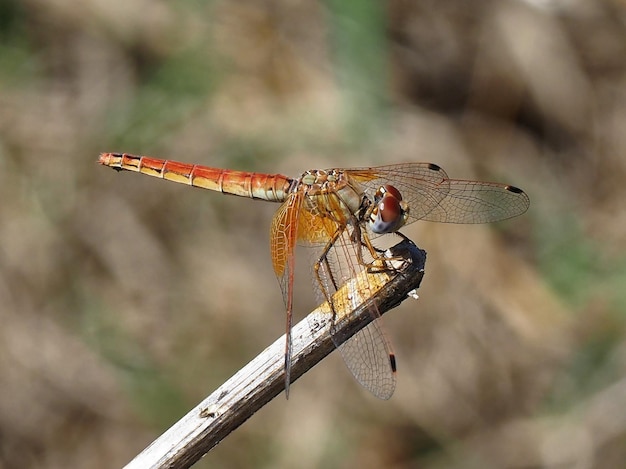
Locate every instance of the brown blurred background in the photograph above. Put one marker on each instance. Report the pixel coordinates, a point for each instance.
(124, 300)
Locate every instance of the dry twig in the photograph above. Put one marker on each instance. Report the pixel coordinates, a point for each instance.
(263, 378)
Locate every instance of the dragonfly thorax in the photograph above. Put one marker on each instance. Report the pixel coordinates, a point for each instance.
(331, 194)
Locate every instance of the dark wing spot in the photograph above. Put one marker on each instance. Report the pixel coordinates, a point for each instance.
(392, 361)
(515, 190)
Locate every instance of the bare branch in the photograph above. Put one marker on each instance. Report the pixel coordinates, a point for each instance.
(263, 378)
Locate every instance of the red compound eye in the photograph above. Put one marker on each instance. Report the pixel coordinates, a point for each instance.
(387, 190)
(391, 190)
(388, 215)
(389, 209)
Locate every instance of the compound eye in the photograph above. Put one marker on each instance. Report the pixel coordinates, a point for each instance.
(387, 190)
(388, 216)
(391, 190)
(389, 209)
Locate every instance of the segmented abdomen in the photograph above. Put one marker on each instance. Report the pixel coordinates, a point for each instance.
(271, 187)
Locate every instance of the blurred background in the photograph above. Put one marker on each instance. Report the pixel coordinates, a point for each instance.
(124, 300)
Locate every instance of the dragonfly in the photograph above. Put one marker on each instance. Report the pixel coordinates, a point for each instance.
(340, 214)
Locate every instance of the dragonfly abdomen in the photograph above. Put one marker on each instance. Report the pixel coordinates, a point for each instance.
(270, 187)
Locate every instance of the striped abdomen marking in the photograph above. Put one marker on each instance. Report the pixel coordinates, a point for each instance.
(271, 187)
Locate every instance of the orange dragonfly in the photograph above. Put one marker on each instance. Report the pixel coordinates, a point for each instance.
(339, 212)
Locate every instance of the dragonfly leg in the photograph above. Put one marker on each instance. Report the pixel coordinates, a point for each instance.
(322, 267)
(323, 270)
(322, 264)
(381, 266)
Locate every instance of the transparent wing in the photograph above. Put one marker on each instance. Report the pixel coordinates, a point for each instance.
(283, 234)
(368, 354)
(432, 196)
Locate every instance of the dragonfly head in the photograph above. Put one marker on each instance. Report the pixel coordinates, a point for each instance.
(388, 212)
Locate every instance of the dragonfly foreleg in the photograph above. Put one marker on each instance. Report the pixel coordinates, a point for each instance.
(382, 266)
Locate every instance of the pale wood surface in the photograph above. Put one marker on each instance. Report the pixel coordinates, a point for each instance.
(263, 378)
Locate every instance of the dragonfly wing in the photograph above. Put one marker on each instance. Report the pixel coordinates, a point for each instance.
(422, 185)
(479, 202)
(283, 235)
(369, 357)
(315, 230)
(367, 354)
(432, 196)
